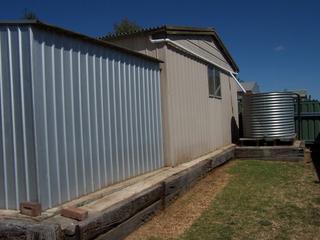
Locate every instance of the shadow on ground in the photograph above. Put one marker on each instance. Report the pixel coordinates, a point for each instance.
(315, 155)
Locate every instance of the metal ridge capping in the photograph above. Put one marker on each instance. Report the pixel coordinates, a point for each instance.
(161, 28)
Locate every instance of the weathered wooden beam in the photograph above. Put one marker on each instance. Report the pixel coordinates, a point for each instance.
(104, 221)
(127, 227)
(14, 229)
(117, 221)
(276, 153)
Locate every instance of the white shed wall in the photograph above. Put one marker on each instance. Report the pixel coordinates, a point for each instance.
(197, 124)
(193, 123)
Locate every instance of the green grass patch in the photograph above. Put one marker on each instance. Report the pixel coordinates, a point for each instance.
(263, 200)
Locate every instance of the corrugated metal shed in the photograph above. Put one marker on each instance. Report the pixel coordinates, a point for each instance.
(77, 114)
(197, 124)
(194, 124)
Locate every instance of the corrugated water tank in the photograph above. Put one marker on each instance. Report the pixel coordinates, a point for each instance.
(269, 115)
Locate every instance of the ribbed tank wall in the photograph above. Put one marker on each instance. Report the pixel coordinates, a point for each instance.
(75, 117)
(269, 115)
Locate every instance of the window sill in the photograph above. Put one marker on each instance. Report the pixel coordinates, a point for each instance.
(216, 97)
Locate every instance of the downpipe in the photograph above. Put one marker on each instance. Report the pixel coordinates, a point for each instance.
(167, 40)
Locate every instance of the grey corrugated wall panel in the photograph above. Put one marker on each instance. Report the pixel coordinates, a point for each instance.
(17, 157)
(77, 118)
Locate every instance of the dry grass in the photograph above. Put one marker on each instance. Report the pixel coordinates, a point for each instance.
(180, 215)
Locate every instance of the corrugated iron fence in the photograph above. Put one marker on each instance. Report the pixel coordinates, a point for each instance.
(74, 116)
(308, 121)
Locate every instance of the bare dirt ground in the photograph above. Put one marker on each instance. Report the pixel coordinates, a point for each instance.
(179, 216)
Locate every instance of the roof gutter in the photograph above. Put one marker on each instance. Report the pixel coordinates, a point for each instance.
(167, 40)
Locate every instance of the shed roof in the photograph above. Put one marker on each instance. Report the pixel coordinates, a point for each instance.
(41, 25)
(250, 86)
(179, 30)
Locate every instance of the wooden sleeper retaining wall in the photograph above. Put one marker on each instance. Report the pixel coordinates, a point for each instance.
(119, 220)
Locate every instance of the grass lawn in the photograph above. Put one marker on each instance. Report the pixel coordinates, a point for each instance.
(262, 200)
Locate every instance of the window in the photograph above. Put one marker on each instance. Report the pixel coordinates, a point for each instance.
(214, 82)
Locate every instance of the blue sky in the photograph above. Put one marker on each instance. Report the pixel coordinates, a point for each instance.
(276, 43)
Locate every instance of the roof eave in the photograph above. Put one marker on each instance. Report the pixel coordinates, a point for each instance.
(176, 30)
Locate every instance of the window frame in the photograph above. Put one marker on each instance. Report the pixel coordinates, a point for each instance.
(214, 82)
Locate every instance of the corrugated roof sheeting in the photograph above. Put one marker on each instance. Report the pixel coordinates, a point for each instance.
(167, 28)
(75, 116)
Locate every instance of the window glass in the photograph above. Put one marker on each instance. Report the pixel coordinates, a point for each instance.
(214, 82)
(217, 84)
(211, 78)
